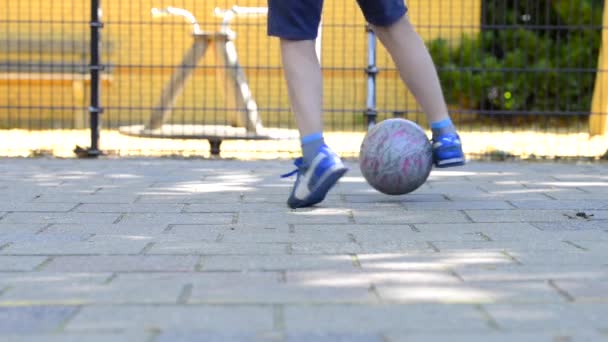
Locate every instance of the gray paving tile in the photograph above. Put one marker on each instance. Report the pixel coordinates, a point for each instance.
(120, 263)
(221, 248)
(95, 245)
(231, 207)
(409, 216)
(36, 207)
(519, 215)
(458, 205)
(430, 260)
(475, 293)
(135, 229)
(548, 317)
(20, 228)
(42, 279)
(514, 272)
(355, 319)
(129, 336)
(577, 336)
(133, 292)
(182, 218)
(301, 216)
(276, 262)
(209, 318)
(130, 208)
(70, 217)
(19, 263)
(185, 336)
(329, 337)
(34, 318)
(358, 277)
(586, 290)
(561, 204)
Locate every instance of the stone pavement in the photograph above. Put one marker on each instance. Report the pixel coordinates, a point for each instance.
(206, 250)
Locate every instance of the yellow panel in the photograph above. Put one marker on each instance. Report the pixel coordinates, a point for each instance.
(144, 49)
(598, 120)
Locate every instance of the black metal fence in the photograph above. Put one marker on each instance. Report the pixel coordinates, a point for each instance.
(184, 76)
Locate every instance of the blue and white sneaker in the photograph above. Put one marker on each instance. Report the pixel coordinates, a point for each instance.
(447, 151)
(314, 182)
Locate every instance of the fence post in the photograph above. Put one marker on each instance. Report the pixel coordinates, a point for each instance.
(95, 68)
(598, 120)
(372, 71)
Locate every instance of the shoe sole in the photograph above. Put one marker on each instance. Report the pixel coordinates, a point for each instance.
(450, 163)
(321, 191)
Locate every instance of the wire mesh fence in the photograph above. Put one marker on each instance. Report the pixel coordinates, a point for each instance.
(523, 78)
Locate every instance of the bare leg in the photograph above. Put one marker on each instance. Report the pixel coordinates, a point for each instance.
(415, 67)
(305, 84)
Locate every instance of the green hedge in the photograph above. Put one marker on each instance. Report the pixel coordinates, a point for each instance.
(544, 60)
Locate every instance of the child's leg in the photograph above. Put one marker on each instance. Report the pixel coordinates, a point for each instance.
(415, 66)
(296, 23)
(304, 82)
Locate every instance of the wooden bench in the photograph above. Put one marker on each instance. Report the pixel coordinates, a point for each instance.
(51, 62)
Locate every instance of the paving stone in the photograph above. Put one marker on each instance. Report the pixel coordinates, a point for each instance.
(458, 205)
(231, 207)
(326, 248)
(548, 317)
(41, 238)
(354, 319)
(36, 207)
(514, 272)
(134, 292)
(477, 293)
(358, 277)
(409, 216)
(20, 228)
(262, 291)
(578, 195)
(233, 233)
(430, 260)
(33, 319)
(516, 246)
(211, 248)
(185, 336)
(95, 245)
(594, 244)
(274, 199)
(301, 216)
(343, 337)
(395, 247)
(130, 208)
(106, 229)
(577, 336)
(77, 337)
(183, 218)
(208, 318)
(42, 279)
(586, 290)
(559, 258)
(561, 204)
(518, 215)
(70, 217)
(278, 262)
(211, 198)
(119, 263)
(573, 225)
(374, 198)
(376, 233)
(19, 263)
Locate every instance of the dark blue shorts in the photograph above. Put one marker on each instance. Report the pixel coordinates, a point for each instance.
(299, 19)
